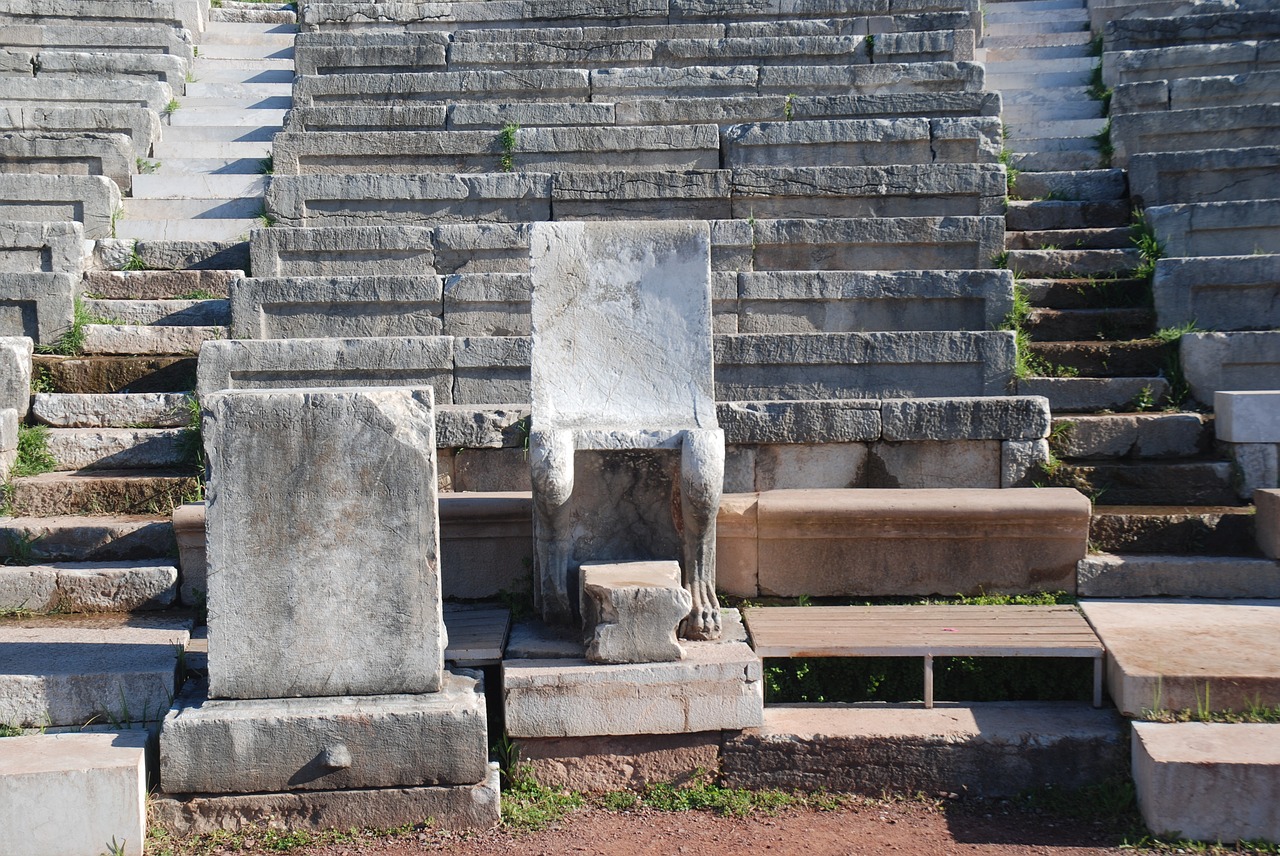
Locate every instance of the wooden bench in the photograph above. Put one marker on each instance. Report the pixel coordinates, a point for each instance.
(926, 631)
(477, 635)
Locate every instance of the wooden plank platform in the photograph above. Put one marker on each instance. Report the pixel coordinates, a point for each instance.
(477, 635)
(925, 631)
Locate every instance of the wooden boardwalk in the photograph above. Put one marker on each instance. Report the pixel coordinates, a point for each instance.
(477, 635)
(927, 632)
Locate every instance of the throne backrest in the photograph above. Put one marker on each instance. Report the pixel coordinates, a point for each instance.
(622, 325)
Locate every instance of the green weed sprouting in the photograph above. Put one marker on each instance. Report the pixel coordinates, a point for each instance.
(71, 342)
(34, 456)
(507, 142)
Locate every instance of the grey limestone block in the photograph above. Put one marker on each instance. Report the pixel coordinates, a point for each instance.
(137, 38)
(94, 92)
(863, 365)
(869, 301)
(176, 13)
(15, 374)
(90, 200)
(948, 45)
(986, 418)
(608, 194)
(210, 745)
(695, 82)
(344, 251)
(336, 307)
(479, 115)
(723, 110)
(631, 611)
(68, 154)
(8, 452)
(40, 306)
(487, 304)
(1218, 292)
(140, 125)
(164, 68)
(486, 427)
(829, 142)
(1254, 87)
(1178, 61)
(805, 422)
(212, 312)
(1210, 175)
(1230, 361)
(508, 85)
(1218, 228)
(674, 147)
(325, 500)
(36, 247)
(898, 243)
(491, 369)
(762, 50)
(359, 200)
(17, 63)
(1257, 466)
(1020, 461)
(420, 361)
(904, 190)
(578, 53)
(482, 248)
(392, 150)
(893, 105)
(401, 117)
(1211, 26)
(877, 78)
(368, 53)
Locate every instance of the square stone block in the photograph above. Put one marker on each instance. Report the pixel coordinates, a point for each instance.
(64, 794)
(1268, 521)
(323, 543)
(261, 745)
(1247, 417)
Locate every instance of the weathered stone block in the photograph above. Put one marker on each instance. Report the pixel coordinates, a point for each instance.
(1218, 292)
(425, 361)
(603, 764)
(373, 89)
(988, 418)
(1230, 361)
(717, 686)
(1213, 175)
(936, 464)
(37, 305)
(878, 78)
(358, 251)
(1267, 523)
(487, 304)
(491, 369)
(611, 84)
(188, 531)
(762, 422)
(315, 464)
(95, 92)
(379, 741)
(367, 53)
(403, 117)
(862, 365)
(1247, 417)
(32, 247)
(844, 543)
(114, 65)
(862, 142)
(140, 124)
(631, 611)
(15, 373)
(634, 194)
(74, 793)
(828, 465)
(53, 153)
(891, 243)
(335, 307)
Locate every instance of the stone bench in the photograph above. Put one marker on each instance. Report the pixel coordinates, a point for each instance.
(1218, 292)
(1179, 61)
(1218, 228)
(360, 90)
(91, 200)
(891, 243)
(1193, 130)
(1191, 93)
(863, 142)
(138, 39)
(56, 92)
(534, 150)
(336, 307)
(36, 247)
(187, 14)
(82, 65)
(1212, 175)
(48, 153)
(1213, 362)
(139, 124)
(1225, 26)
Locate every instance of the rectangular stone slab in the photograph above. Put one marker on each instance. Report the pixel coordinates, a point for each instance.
(37, 305)
(382, 741)
(335, 307)
(323, 543)
(90, 200)
(73, 793)
(1218, 292)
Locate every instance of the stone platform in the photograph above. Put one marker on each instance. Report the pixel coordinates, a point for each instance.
(989, 750)
(1172, 654)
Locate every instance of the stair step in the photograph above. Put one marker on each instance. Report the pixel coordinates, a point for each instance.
(72, 538)
(89, 375)
(197, 187)
(192, 208)
(230, 230)
(1178, 769)
(1088, 262)
(1161, 654)
(1086, 293)
(1022, 6)
(238, 91)
(1028, 216)
(1033, 82)
(254, 59)
(1177, 529)
(163, 313)
(1091, 394)
(206, 117)
(104, 669)
(1042, 140)
(999, 55)
(1131, 435)
(1115, 238)
(1089, 184)
(252, 16)
(1041, 65)
(92, 492)
(263, 46)
(1135, 359)
(1031, 113)
(260, 73)
(1070, 325)
(232, 32)
(998, 14)
(246, 101)
(136, 339)
(119, 448)
(1022, 30)
(78, 587)
(1055, 161)
(211, 133)
(1156, 575)
(157, 284)
(188, 149)
(1149, 483)
(121, 410)
(1035, 38)
(250, 166)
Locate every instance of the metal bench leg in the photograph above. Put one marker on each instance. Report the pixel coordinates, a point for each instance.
(928, 680)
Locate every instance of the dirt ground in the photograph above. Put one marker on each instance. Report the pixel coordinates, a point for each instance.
(924, 828)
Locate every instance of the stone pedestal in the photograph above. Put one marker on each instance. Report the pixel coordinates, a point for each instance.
(631, 611)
